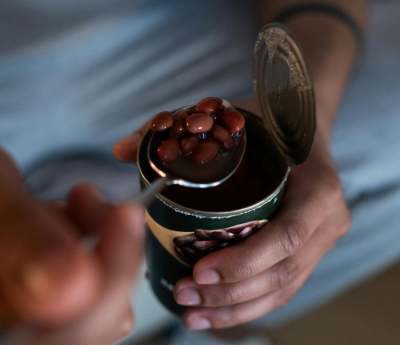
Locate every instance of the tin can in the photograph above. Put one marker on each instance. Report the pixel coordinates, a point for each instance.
(206, 220)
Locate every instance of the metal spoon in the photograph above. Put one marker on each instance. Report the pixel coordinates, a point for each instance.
(189, 174)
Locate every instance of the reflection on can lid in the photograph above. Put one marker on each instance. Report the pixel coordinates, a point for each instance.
(285, 93)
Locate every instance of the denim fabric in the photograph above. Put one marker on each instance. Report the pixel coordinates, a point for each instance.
(96, 71)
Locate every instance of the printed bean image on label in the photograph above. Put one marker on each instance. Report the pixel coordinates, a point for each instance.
(189, 247)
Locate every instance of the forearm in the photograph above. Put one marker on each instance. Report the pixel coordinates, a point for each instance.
(330, 50)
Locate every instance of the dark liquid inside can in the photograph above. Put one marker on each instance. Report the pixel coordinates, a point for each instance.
(259, 174)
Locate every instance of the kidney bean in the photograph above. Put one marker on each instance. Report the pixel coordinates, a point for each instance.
(213, 234)
(191, 110)
(184, 240)
(190, 253)
(194, 246)
(232, 120)
(162, 121)
(223, 136)
(237, 229)
(168, 150)
(209, 105)
(181, 114)
(205, 245)
(183, 255)
(245, 232)
(205, 152)
(179, 127)
(189, 144)
(199, 123)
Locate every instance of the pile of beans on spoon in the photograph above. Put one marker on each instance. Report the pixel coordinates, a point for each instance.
(199, 132)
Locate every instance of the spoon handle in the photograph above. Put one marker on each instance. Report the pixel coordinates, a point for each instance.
(146, 196)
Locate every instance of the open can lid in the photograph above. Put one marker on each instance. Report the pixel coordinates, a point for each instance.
(285, 93)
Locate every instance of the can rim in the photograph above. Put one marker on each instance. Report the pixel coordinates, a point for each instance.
(210, 214)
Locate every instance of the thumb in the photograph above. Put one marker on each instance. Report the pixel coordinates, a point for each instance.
(45, 276)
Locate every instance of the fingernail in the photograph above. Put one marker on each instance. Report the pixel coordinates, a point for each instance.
(207, 277)
(188, 297)
(197, 323)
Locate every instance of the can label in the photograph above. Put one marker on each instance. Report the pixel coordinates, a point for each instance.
(190, 246)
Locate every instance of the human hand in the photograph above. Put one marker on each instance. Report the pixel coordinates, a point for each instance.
(238, 284)
(53, 289)
(241, 283)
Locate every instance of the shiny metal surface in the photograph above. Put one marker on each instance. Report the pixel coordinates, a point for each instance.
(285, 93)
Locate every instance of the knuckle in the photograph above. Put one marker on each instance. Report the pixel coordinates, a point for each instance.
(214, 296)
(329, 188)
(242, 270)
(292, 236)
(233, 295)
(246, 270)
(284, 274)
(332, 184)
(333, 189)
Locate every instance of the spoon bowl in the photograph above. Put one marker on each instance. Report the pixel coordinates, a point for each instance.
(189, 174)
